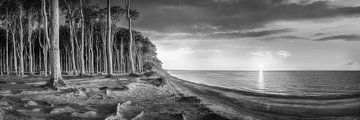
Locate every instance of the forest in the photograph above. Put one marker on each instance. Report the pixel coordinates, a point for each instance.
(91, 39)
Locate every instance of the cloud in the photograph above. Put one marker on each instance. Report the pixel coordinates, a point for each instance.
(319, 34)
(217, 35)
(265, 33)
(346, 37)
(183, 15)
(284, 54)
(287, 37)
(305, 2)
(185, 51)
(262, 53)
(352, 63)
(188, 51)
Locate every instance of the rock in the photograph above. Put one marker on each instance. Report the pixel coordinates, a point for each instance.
(36, 110)
(115, 117)
(5, 106)
(88, 114)
(121, 88)
(103, 88)
(31, 103)
(45, 103)
(62, 110)
(4, 103)
(5, 92)
(82, 92)
(2, 114)
(121, 108)
(186, 115)
(139, 116)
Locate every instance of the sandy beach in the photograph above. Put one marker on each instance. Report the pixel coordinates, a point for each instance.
(237, 104)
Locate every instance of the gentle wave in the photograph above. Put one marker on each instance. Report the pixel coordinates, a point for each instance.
(296, 83)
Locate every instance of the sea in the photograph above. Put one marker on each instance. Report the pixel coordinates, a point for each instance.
(298, 83)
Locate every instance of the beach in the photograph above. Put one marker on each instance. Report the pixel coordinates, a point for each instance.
(155, 98)
(98, 98)
(238, 104)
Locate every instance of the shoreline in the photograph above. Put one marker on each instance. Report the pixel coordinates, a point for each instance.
(285, 96)
(238, 104)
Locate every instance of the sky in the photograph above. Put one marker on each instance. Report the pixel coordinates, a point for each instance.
(246, 34)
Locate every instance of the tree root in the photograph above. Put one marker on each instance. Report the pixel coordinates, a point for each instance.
(56, 84)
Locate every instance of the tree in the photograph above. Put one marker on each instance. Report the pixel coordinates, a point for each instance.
(21, 42)
(31, 9)
(132, 65)
(109, 45)
(82, 61)
(45, 45)
(55, 79)
(71, 20)
(6, 21)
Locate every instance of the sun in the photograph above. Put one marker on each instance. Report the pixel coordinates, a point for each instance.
(261, 67)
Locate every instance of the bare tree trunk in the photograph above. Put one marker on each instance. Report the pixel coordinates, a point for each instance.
(21, 42)
(7, 53)
(1, 62)
(71, 25)
(30, 45)
(91, 49)
(109, 45)
(54, 47)
(14, 49)
(82, 61)
(103, 54)
(46, 44)
(7, 41)
(122, 62)
(132, 65)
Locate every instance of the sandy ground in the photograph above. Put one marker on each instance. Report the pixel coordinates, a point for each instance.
(147, 98)
(256, 106)
(98, 98)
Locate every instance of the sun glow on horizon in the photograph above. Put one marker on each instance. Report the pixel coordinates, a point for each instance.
(261, 67)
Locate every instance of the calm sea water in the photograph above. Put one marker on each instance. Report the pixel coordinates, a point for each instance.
(279, 82)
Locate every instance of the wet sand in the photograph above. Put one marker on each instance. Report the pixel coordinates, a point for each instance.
(237, 104)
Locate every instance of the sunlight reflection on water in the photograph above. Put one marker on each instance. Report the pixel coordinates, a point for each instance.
(279, 82)
(260, 84)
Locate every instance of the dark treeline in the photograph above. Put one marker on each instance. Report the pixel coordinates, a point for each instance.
(86, 46)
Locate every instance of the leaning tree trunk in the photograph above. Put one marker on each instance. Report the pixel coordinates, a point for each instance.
(109, 45)
(54, 47)
(132, 65)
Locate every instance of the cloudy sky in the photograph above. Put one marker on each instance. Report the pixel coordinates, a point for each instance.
(245, 34)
